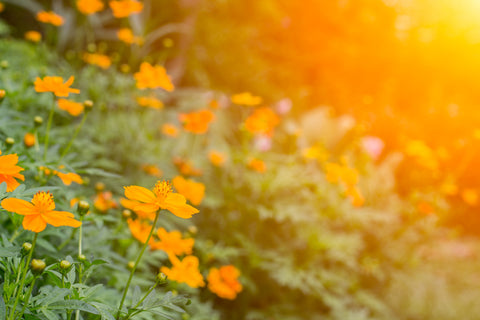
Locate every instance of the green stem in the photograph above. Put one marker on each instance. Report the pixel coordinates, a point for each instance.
(15, 234)
(64, 243)
(24, 275)
(141, 300)
(19, 271)
(80, 267)
(136, 264)
(79, 127)
(47, 133)
(28, 297)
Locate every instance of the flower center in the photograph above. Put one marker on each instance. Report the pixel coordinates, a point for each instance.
(43, 201)
(162, 189)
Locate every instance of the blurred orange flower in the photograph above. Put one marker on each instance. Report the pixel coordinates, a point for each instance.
(192, 190)
(152, 170)
(162, 197)
(422, 153)
(169, 129)
(33, 36)
(355, 196)
(72, 107)
(153, 77)
(246, 99)
(470, 196)
(257, 165)
(104, 201)
(55, 85)
(29, 139)
(172, 243)
(185, 271)
(39, 212)
(68, 178)
(9, 171)
(217, 158)
(262, 121)
(197, 121)
(140, 230)
(150, 102)
(89, 6)
(126, 35)
(223, 282)
(97, 59)
(50, 17)
(2, 7)
(186, 167)
(124, 8)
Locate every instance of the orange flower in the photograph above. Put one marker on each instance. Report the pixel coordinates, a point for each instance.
(197, 122)
(124, 8)
(185, 271)
(169, 129)
(9, 171)
(126, 35)
(223, 282)
(217, 158)
(39, 212)
(152, 170)
(162, 197)
(150, 102)
(355, 196)
(55, 85)
(68, 178)
(29, 139)
(129, 204)
(104, 201)
(262, 121)
(153, 77)
(97, 59)
(33, 36)
(246, 99)
(140, 230)
(2, 7)
(186, 167)
(89, 6)
(72, 107)
(50, 17)
(470, 196)
(257, 165)
(192, 190)
(425, 207)
(172, 243)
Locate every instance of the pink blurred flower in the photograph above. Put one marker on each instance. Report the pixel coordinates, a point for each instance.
(262, 143)
(373, 146)
(283, 106)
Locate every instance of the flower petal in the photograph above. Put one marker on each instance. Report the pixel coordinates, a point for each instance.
(176, 204)
(18, 206)
(139, 194)
(61, 218)
(34, 223)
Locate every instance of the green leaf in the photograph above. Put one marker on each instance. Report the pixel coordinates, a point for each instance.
(105, 311)
(73, 305)
(9, 252)
(3, 309)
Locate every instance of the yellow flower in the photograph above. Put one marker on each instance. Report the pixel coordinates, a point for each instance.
(9, 171)
(169, 129)
(192, 190)
(223, 282)
(50, 17)
(40, 212)
(153, 77)
(89, 6)
(185, 271)
(29, 139)
(246, 99)
(172, 243)
(55, 85)
(72, 107)
(150, 102)
(33, 36)
(217, 158)
(162, 197)
(124, 8)
(97, 59)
